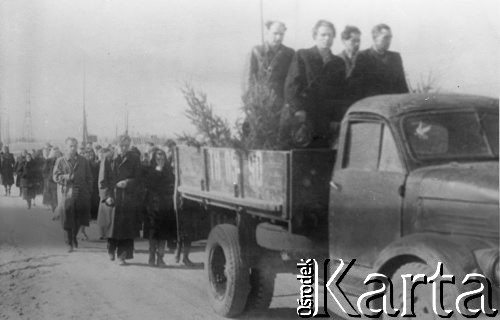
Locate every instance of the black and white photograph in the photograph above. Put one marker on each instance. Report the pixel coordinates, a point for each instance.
(249, 159)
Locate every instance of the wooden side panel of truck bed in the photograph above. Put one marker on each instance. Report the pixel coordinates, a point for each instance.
(274, 184)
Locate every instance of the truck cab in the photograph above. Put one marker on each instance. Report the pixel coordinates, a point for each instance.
(416, 183)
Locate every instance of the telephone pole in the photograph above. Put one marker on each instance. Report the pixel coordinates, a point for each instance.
(27, 127)
(85, 133)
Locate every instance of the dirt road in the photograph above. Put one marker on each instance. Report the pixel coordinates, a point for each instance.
(40, 280)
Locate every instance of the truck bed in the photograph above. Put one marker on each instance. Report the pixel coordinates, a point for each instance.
(291, 186)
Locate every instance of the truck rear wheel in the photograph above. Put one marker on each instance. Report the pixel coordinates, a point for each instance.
(228, 275)
(423, 293)
(262, 288)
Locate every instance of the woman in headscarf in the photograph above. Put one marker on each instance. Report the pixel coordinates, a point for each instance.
(159, 183)
(29, 176)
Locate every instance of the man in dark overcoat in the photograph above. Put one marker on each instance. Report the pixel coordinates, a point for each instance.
(314, 91)
(119, 178)
(7, 163)
(74, 184)
(270, 61)
(378, 70)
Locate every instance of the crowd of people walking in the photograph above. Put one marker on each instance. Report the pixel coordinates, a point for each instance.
(123, 191)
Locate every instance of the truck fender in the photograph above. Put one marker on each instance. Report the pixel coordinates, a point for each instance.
(455, 252)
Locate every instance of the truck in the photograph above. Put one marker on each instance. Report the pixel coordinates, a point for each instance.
(413, 182)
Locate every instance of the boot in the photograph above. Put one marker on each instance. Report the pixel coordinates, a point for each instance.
(161, 253)
(185, 254)
(152, 251)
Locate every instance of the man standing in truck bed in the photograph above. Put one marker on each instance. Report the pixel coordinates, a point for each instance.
(269, 62)
(315, 91)
(378, 70)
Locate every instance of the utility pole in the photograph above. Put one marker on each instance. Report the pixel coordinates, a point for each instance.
(7, 131)
(262, 21)
(126, 120)
(85, 133)
(27, 128)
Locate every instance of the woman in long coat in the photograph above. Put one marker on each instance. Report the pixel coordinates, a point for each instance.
(7, 163)
(159, 183)
(28, 182)
(118, 181)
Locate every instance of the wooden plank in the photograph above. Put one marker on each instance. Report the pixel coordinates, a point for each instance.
(223, 198)
(265, 176)
(191, 166)
(223, 171)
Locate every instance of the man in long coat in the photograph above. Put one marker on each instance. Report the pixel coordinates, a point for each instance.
(314, 90)
(270, 61)
(74, 184)
(119, 179)
(378, 70)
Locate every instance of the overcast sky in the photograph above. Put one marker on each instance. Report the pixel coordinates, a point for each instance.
(137, 53)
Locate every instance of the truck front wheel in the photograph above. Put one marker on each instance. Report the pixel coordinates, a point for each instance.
(228, 275)
(422, 300)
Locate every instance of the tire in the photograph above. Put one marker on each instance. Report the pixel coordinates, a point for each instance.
(227, 274)
(262, 289)
(423, 293)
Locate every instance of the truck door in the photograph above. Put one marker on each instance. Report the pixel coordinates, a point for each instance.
(366, 192)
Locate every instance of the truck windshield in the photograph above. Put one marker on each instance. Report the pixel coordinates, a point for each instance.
(455, 135)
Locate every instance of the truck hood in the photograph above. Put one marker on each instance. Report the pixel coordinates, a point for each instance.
(457, 198)
(477, 181)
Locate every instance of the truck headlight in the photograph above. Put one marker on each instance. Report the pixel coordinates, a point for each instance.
(489, 262)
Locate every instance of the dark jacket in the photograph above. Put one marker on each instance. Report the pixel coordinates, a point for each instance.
(159, 202)
(376, 73)
(7, 164)
(271, 66)
(316, 87)
(28, 174)
(124, 222)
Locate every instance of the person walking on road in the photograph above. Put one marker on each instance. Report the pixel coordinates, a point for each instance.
(159, 183)
(20, 160)
(7, 163)
(74, 180)
(118, 181)
(28, 179)
(50, 187)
